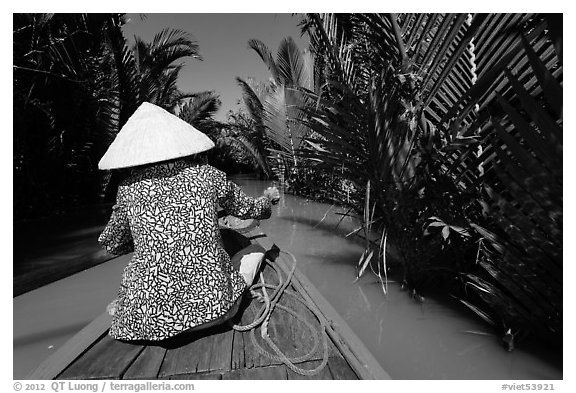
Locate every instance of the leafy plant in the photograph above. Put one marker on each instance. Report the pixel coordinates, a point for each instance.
(64, 100)
(76, 82)
(157, 69)
(454, 122)
(275, 107)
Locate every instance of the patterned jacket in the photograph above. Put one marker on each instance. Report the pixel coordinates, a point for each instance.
(179, 276)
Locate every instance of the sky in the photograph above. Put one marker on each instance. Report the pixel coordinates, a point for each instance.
(223, 41)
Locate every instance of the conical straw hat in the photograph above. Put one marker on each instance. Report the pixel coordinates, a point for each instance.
(151, 135)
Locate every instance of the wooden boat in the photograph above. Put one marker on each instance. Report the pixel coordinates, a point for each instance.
(222, 352)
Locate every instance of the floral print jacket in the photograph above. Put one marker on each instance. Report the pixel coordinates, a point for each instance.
(179, 276)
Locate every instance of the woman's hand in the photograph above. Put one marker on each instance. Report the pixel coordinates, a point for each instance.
(272, 194)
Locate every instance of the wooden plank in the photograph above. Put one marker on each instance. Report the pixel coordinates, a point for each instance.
(292, 336)
(238, 360)
(252, 358)
(73, 348)
(257, 373)
(299, 338)
(190, 358)
(279, 324)
(245, 353)
(332, 349)
(352, 348)
(278, 329)
(115, 357)
(270, 275)
(311, 365)
(279, 332)
(340, 369)
(303, 336)
(197, 376)
(221, 353)
(147, 364)
(107, 359)
(207, 350)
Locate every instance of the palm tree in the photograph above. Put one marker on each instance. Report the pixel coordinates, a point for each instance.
(149, 72)
(450, 129)
(62, 86)
(275, 107)
(199, 110)
(157, 67)
(247, 138)
(76, 82)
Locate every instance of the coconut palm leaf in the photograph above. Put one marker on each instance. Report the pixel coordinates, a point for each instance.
(474, 99)
(293, 68)
(167, 91)
(201, 107)
(506, 52)
(262, 50)
(275, 119)
(70, 77)
(323, 31)
(168, 46)
(551, 87)
(276, 109)
(126, 76)
(252, 100)
(155, 65)
(252, 151)
(523, 184)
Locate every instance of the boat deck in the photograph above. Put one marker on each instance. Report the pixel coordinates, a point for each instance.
(217, 353)
(222, 352)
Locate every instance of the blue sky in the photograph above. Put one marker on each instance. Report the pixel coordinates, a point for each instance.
(223, 40)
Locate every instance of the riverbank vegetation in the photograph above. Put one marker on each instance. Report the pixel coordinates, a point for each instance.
(77, 80)
(442, 133)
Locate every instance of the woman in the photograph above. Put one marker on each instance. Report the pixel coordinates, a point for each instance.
(180, 277)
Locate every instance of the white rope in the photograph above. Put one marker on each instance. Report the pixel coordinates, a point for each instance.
(270, 302)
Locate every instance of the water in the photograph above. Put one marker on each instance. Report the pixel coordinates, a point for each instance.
(47, 317)
(410, 340)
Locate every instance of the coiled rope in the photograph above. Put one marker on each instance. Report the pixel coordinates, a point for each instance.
(269, 303)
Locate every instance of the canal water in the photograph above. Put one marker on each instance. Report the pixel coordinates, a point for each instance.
(429, 340)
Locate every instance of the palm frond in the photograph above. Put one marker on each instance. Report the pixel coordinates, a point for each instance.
(203, 106)
(293, 68)
(251, 100)
(252, 151)
(262, 50)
